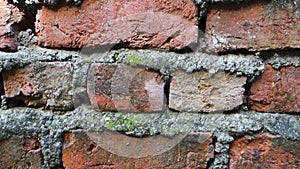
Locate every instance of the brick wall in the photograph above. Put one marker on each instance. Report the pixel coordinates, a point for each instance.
(149, 84)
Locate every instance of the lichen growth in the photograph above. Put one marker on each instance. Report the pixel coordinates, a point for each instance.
(133, 59)
(125, 124)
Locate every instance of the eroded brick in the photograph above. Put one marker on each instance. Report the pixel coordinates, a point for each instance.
(40, 85)
(86, 150)
(165, 24)
(276, 90)
(200, 92)
(264, 151)
(255, 26)
(117, 87)
(21, 152)
(9, 15)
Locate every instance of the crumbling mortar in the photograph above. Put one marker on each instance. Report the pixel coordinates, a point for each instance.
(225, 127)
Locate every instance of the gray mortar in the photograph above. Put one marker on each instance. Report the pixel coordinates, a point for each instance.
(27, 38)
(25, 56)
(225, 127)
(168, 62)
(45, 2)
(249, 65)
(284, 58)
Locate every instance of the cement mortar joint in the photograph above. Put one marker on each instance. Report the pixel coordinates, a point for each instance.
(249, 65)
(50, 127)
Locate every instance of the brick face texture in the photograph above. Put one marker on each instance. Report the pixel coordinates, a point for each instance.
(41, 85)
(255, 26)
(117, 87)
(68, 84)
(200, 92)
(21, 152)
(80, 151)
(276, 90)
(9, 15)
(264, 151)
(138, 24)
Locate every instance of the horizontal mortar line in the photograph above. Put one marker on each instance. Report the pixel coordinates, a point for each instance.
(148, 58)
(240, 122)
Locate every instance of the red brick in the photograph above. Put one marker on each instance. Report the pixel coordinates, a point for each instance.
(41, 84)
(254, 26)
(264, 151)
(117, 87)
(9, 15)
(165, 24)
(276, 90)
(21, 152)
(200, 92)
(81, 150)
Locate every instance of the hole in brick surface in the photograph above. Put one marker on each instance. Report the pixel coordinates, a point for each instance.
(28, 164)
(28, 21)
(136, 135)
(238, 52)
(91, 147)
(203, 8)
(167, 89)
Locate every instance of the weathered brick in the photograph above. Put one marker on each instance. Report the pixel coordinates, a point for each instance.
(255, 26)
(200, 92)
(21, 152)
(131, 23)
(276, 90)
(9, 15)
(264, 151)
(82, 150)
(117, 87)
(46, 84)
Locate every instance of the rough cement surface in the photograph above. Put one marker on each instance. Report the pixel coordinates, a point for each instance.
(225, 127)
(166, 62)
(46, 2)
(281, 58)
